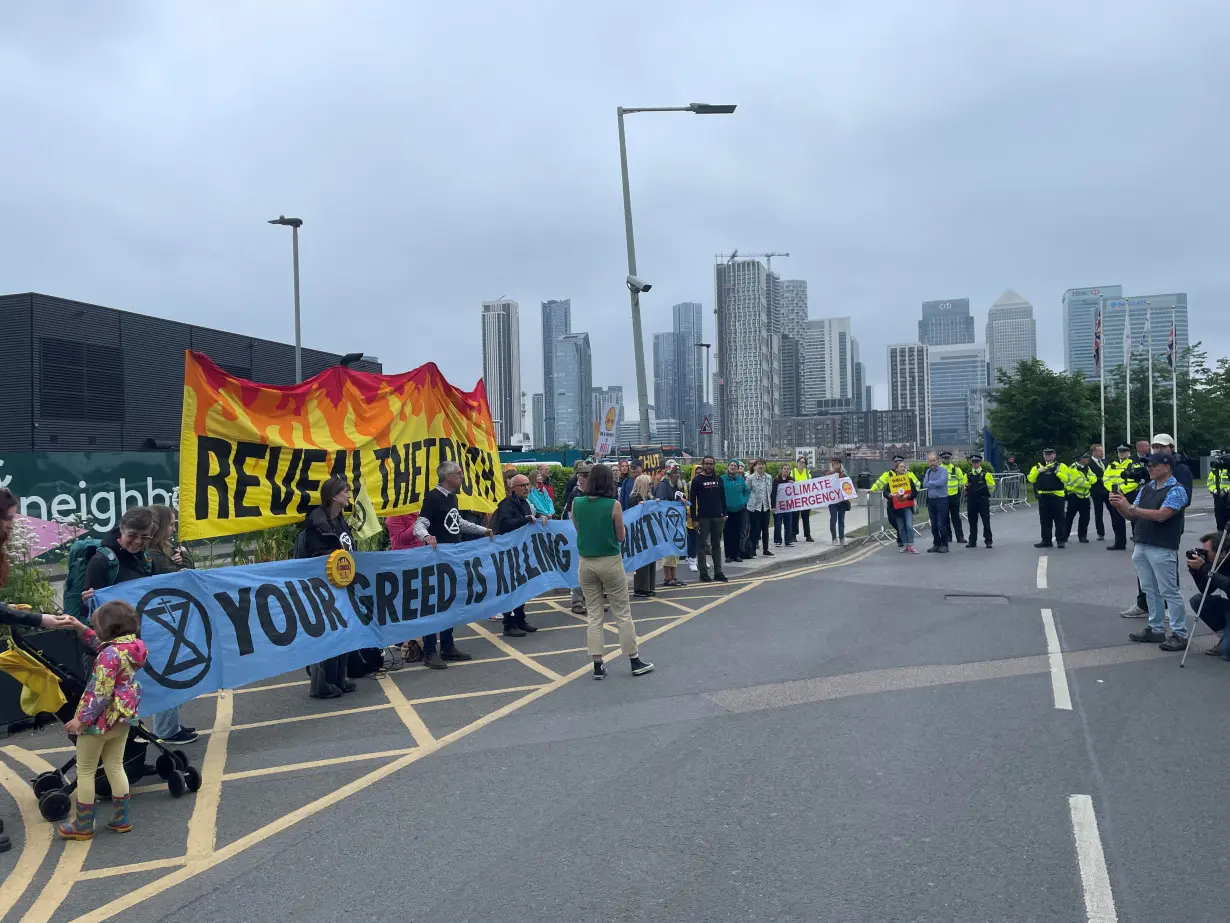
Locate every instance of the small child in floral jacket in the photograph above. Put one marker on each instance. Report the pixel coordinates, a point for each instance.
(107, 707)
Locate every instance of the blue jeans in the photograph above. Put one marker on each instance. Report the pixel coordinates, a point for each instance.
(784, 522)
(905, 526)
(165, 724)
(937, 509)
(1158, 570)
(837, 521)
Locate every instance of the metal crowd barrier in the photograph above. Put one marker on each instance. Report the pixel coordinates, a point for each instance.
(1010, 494)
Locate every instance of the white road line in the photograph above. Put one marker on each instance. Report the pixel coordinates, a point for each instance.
(1042, 572)
(1095, 881)
(1059, 678)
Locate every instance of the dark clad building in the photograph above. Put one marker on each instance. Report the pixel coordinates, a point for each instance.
(81, 377)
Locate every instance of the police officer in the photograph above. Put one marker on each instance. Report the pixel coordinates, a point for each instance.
(956, 486)
(1117, 480)
(1049, 478)
(1098, 493)
(978, 487)
(1219, 486)
(1081, 480)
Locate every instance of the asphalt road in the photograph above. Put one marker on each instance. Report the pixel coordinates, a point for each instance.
(875, 740)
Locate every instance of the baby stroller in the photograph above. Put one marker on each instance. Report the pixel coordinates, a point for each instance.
(53, 788)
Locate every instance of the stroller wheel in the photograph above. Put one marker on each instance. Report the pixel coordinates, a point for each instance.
(164, 765)
(46, 782)
(176, 783)
(102, 785)
(192, 776)
(182, 758)
(55, 806)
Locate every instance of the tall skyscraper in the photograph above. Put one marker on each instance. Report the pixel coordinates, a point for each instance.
(908, 385)
(744, 359)
(1012, 333)
(573, 374)
(666, 374)
(539, 415)
(502, 366)
(1080, 314)
(791, 376)
(828, 356)
(953, 373)
(1150, 317)
(793, 313)
(689, 330)
(556, 322)
(946, 322)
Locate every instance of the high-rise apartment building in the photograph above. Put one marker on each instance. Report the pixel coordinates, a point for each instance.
(665, 374)
(744, 357)
(953, 373)
(828, 356)
(556, 322)
(947, 322)
(573, 375)
(539, 415)
(688, 327)
(908, 385)
(1012, 333)
(792, 371)
(502, 366)
(603, 396)
(793, 312)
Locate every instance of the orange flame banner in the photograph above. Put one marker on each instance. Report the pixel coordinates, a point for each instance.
(254, 456)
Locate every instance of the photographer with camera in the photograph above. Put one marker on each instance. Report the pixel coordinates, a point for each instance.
(1219, 486)
(1157, 515)
(1214, 611)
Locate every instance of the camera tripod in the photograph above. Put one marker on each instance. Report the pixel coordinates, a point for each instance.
(1203, 596)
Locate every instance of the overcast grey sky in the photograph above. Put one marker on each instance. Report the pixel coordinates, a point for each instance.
(446, 153)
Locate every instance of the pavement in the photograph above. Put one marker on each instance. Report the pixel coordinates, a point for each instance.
(858, 736)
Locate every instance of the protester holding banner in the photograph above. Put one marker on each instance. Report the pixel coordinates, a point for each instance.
(672, 487)
(624, 494)
(600, 534)
(516, 511)
(644, 580)
(324, 531)
(901, 488)
(735, 489)
(802, 473)
(760, 489)
(166, 557)
(440, 522)
(837, 511)
(782, 521)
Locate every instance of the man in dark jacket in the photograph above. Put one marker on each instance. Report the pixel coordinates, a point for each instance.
(514, 512)
(979, 485)
(1214, 610)
(709, 514)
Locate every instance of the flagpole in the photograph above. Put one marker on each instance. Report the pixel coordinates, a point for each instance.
(1149, 334)
(1100, 357)
(1127, 362)
(1102, 389)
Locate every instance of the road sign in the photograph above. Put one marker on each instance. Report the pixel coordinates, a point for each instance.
(706, 428)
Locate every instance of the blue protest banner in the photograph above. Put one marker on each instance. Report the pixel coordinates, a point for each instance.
(224, 628)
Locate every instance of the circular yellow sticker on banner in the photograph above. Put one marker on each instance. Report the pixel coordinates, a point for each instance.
(339, 568)
(847, 488)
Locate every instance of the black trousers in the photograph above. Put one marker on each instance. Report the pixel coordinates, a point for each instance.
(758, 530)
(1221, 510)
(977, 508)
(734, 534)
(1100, 503)
(1050, 514)
(805, 518)
(1077, 506)
(955, 526)
(1216, 610)
(515, 619)
(328, 676)
(1119, 526)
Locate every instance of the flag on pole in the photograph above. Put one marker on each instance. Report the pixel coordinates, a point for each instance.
(1127, 337)
(1146, 338)
(1170, 347)
(1097, 341)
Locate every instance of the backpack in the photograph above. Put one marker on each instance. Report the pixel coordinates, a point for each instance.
(80, 553)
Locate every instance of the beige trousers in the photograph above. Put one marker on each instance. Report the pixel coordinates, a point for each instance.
(606, 575)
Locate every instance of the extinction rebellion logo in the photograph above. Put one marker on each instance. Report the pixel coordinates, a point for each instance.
(181, 616)
(676, 527)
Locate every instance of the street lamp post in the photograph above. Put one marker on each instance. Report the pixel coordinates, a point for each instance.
(709, 439)
(638, 343)
(294, 224)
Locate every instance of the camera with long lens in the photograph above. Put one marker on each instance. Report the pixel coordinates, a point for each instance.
(1198, 554)
(1220, 461)
(1136, 472)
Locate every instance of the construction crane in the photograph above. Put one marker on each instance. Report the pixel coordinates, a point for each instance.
(767, 257)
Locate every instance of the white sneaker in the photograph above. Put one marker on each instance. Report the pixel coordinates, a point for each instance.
(1134, 612)
(692, 565)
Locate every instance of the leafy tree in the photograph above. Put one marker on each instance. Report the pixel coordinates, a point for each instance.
(1035, 408)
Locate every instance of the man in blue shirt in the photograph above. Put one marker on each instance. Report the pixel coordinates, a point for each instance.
(935, 483)
(1158, 516)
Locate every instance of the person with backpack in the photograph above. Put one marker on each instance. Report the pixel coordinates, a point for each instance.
(323, 532)
(119, 557)
(167, 557)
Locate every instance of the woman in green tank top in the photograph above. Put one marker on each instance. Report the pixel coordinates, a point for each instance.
(599, 521)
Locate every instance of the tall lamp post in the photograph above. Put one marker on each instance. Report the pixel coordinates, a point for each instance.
(294, 224)
(705, 394)
(635, 286)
